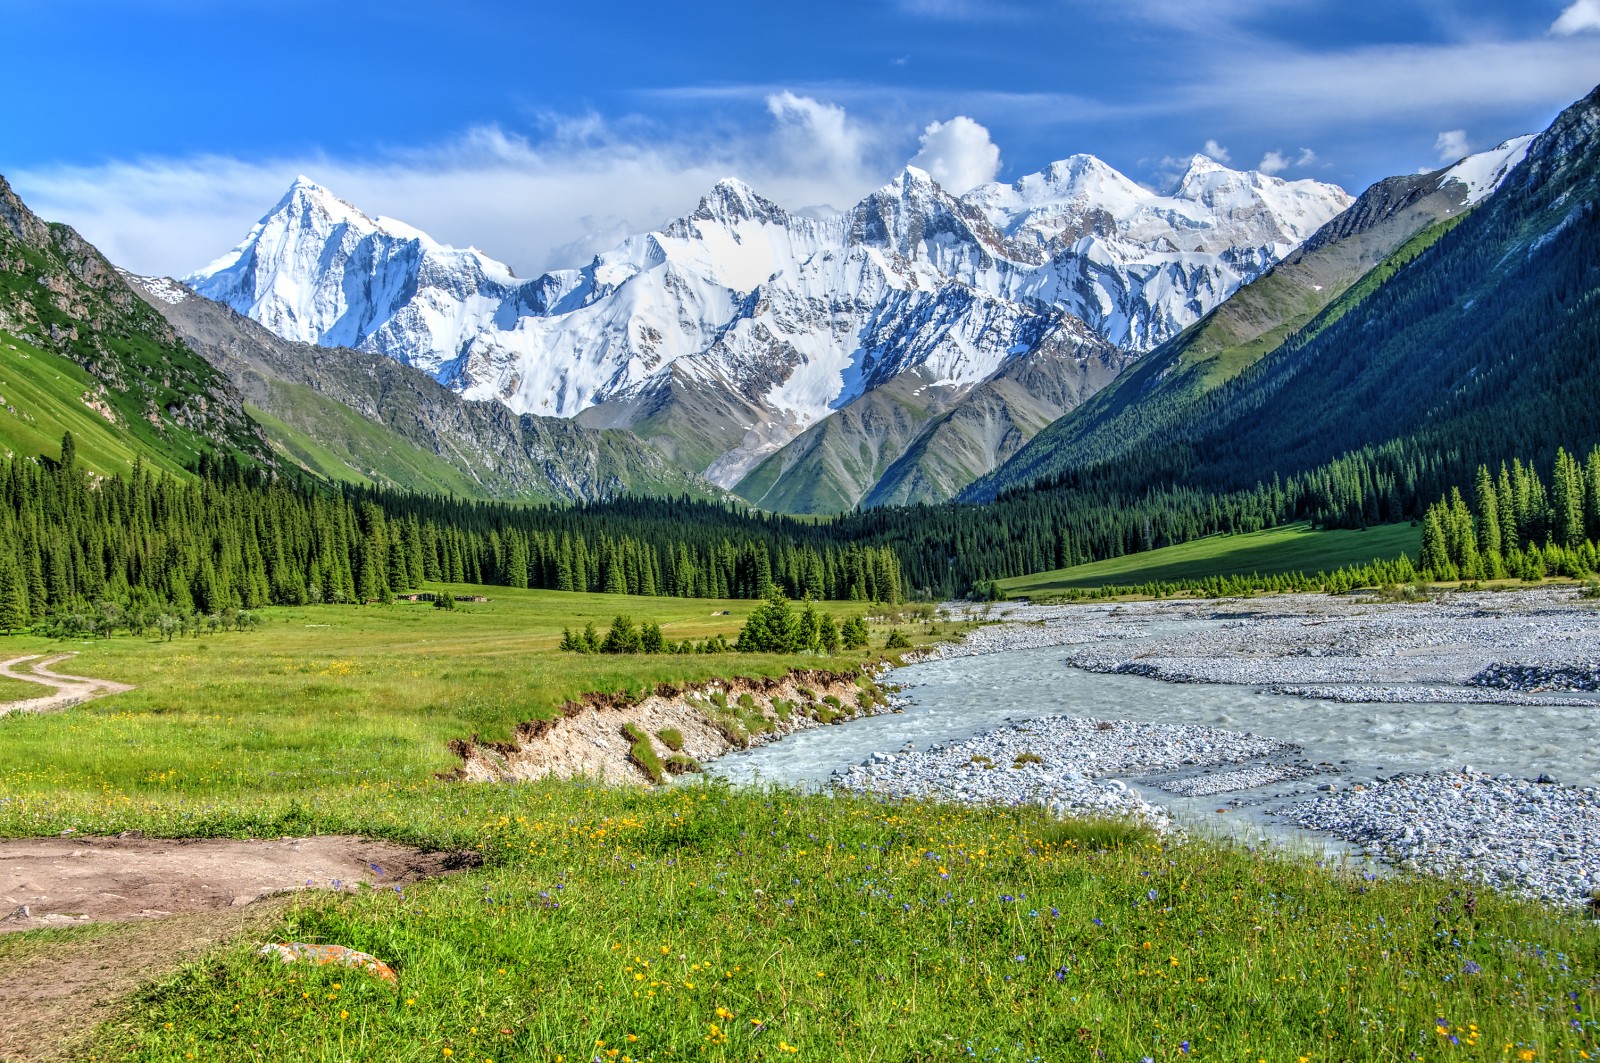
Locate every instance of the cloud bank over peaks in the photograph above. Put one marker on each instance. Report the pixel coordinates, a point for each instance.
(958, 154)
(536, 203)
(1275, 162)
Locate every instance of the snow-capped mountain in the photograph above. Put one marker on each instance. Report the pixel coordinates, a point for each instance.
(765, 322)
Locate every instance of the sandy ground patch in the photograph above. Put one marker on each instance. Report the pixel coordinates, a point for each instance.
(174, 900)
(67, 881)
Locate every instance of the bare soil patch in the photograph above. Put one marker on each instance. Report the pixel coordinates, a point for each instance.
(174, 900)
(69, 881)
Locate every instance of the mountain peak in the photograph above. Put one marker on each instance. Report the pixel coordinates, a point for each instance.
(730, 199)
(913, 177)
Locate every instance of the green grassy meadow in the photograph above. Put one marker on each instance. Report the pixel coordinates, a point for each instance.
(1292, 548)
(17, 689)
(698, 921)
(333, 697)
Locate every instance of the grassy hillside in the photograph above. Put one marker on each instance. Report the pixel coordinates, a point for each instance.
(43, 395)
(1295, 548)
(60, 296)
(340, 445)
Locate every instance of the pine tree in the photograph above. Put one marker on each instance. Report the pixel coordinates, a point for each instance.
(1435, 554)
(1567, 501)
(14, 612)
(1488, 507)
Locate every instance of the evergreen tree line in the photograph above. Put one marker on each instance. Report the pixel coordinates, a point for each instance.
(1517, 525)
(239, 538)
(1090, 515)
(775, 626)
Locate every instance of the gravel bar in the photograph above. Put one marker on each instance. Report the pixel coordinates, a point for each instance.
(1534, 647)
(1072, 766)
(1528, 838)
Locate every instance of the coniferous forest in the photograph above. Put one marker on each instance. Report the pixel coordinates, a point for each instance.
(238, 537)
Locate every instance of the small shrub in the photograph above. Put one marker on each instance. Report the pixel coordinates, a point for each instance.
(897, 640)
(1591, 589)
(806, 692)
(784, 709)
(1024, 759)
(747, 703)
(732, 730)
(681, 764)
(671, 737)
(720, 700)
(642, 753)
(830, 700)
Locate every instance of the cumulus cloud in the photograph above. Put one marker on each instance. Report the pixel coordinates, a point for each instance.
(958, 154)
(1216, 151)
(1275, 162)
(536, 204)
(1452, 145)
(1582, 16)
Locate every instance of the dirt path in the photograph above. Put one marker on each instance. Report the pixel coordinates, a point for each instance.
(55, 992)
(175, 900)
(69, 689)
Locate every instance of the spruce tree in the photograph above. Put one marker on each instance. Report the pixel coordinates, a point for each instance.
(14, 612)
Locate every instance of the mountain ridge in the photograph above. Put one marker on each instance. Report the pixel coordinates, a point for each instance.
(763, 322)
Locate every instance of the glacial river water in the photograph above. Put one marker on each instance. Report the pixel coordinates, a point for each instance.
(955, 699)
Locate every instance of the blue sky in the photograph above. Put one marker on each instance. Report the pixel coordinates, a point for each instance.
(542, 132)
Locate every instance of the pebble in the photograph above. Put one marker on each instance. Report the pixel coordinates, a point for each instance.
(1531, 839)
(1078, 762)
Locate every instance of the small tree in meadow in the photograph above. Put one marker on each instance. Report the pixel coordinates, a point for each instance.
(650, 638)
(828, 635)
(623, 637)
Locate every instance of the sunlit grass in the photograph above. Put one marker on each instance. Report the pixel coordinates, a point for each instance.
(344, 695)
(701, 922)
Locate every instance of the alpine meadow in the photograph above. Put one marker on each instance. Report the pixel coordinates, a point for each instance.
(731, 544)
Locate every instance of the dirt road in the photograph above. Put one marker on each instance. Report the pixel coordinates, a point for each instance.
(69, 689)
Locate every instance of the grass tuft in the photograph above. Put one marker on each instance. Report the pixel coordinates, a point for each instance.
(643, 753)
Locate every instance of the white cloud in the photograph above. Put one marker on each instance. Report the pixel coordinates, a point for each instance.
(1452, 145)
(535, 204)
(958, 154)
(1284, 89)
(1275, 162)
(1217, 152)
(1580, 17)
